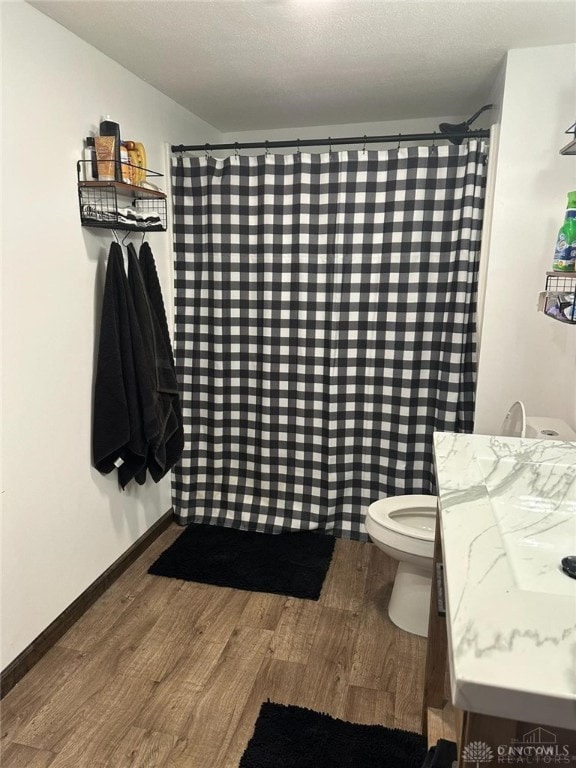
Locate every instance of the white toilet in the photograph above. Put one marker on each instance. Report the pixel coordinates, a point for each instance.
(404, 526)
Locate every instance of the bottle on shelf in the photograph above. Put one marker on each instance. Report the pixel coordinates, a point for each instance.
(565, 253)
(137, 158)
(90, 165)
(110, 128)
(125, 165)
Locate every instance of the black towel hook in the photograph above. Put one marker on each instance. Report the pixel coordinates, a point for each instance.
(125, 237)
(115, 236)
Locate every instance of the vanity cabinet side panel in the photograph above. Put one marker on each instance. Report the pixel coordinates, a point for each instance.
(437, 650)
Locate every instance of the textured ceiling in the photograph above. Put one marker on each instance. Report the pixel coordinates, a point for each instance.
(247, 64)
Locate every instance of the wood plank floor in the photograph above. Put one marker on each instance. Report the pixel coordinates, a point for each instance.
(161, 673)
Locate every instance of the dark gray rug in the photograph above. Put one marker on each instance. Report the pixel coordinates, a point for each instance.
(292, 564)
(293, 737)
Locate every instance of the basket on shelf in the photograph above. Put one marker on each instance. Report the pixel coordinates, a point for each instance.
(559, 300)
(116, 205)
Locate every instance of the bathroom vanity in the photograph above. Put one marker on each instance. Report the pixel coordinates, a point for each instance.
(505, 651)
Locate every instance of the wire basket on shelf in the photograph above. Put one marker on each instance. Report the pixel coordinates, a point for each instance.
(116, 205)
(560, 296)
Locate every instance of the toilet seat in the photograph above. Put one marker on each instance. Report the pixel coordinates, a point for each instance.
(394, 512)
(514, 424)
(387, 523)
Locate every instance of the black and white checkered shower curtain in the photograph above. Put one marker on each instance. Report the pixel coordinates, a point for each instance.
(325, 328)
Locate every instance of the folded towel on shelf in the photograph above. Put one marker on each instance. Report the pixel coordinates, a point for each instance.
(123, 216)
(90, 212)
(133, 214)
(140, 224)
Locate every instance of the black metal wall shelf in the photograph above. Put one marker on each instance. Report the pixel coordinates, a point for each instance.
(116, 205)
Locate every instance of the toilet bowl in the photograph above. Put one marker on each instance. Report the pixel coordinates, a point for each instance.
(404, 527)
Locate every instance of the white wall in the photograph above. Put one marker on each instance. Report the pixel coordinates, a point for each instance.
(494, 115)
(524, 354)
(63, 523)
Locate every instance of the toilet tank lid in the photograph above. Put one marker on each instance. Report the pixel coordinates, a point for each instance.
(544, 427)
(514, 424)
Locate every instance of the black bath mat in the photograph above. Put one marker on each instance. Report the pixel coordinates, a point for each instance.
(293, 737)
(292, 564)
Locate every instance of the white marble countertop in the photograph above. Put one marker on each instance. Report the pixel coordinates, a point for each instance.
(508, 516)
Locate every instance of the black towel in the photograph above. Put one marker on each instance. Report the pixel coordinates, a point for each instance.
(164, 419)
(165, 360)
(118, 437)
(165, 368)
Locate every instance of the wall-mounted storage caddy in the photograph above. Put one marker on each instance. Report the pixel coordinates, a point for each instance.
(559, 299)
(115, 205)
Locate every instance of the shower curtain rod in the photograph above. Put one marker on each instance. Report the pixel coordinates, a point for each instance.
(479, 134)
